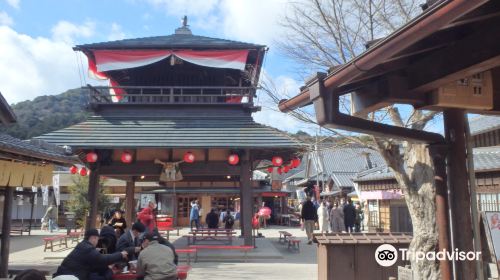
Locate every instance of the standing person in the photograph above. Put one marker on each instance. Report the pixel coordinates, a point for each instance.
(212, 219)
(228, 220)
(156, 261)
(118, 222)
(146, 216)
(337, 218)
(359, 217)
(309, 216)
(51, 217)
(194, 215)
(349, 216)
(85, 260)
(322, 217)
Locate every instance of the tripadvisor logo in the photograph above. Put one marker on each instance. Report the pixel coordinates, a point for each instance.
(387, 255)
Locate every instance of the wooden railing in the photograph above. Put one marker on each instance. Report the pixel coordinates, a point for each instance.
(170, 95)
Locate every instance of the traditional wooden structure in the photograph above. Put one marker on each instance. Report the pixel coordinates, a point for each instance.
(178, 111)
(22, 164)
(445, 59)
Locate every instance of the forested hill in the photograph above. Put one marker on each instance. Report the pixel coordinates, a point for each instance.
(48, 113)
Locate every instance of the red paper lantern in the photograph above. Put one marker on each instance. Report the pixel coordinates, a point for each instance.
(233, 159)
(91, 157)
(270, 169)
(126, 157)
(189, 157)
(83, 171)
(277, 161)
(286, 168)
(296, 162)
(73, 169)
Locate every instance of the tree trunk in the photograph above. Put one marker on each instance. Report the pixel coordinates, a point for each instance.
(415, 174)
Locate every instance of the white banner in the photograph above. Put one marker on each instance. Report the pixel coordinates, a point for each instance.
(45, 195)
(34, 190)
(55, 185)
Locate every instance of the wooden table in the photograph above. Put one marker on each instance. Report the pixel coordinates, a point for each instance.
(211, 235)
(168, 230)
(182, 272)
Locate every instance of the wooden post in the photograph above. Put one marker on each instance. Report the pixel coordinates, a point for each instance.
(129, 203)
(438, 154)
(246, 202)
(5, 242)
(93, 194)
(460, 200)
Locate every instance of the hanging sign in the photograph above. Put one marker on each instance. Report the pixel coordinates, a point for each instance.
(45, 195)
(55, 185)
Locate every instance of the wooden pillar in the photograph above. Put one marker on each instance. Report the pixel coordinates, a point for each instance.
(93, 194)
(246, 202)
(5, 242)
(438, 153)
(130, 203)
(460, 200)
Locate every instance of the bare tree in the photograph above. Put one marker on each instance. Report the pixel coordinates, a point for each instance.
(322, 34)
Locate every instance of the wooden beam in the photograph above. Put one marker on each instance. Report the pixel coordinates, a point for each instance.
(461, 221)
(6, 223)
(130, 203)
(475, 53)
(214, 168)
(93, 194)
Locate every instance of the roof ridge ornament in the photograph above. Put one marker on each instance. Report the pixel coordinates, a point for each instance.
(184, 29)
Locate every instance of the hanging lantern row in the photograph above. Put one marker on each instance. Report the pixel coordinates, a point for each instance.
(83, 171)
(294, 163)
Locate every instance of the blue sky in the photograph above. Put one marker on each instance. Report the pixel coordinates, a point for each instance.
(36, 38)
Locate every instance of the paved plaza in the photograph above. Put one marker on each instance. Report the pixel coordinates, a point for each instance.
(270, 260)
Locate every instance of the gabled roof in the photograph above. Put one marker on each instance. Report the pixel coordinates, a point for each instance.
(7, 116)
(483, 124)
(174, 41)
(181, 131)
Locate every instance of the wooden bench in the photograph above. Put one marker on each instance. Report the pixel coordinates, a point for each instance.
(50, 240)
(188, 252)
(284, 235)
(74, 236)
(168, 230)
(293, 243)
(245, 249)
(211, 235)
(182, 271)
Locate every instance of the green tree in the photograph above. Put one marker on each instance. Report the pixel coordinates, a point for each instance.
(79, 203)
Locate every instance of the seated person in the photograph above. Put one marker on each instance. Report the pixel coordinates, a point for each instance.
(212, 219)
(107, 239)
(167, 243)
(156, 261)
(85, 260)
(131, 238)
(30, 274)
(118, 222)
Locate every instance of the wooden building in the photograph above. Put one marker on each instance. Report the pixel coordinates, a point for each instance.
(178, 111)
(23, 164)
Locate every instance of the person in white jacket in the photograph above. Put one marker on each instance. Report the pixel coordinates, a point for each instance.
(323, 217)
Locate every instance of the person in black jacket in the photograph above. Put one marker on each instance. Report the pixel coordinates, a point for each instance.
(131, 237)
(212, 219)
(107, 239)
(309, 217)
(118, 222)
(349, 216)
(85, 260)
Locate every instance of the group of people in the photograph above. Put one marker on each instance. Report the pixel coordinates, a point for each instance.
(213, 219)
(340, 216)
(102, 254)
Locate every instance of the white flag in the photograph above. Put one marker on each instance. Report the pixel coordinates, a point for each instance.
(55, 185)
(45, 195)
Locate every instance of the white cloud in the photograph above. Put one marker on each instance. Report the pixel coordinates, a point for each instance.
(189, 8)
(67, 32)
(116, 32)
(35, 66)
(5, 19)
(14, 3)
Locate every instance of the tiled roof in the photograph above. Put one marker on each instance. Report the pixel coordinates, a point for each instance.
(485, 159)
(239, 131)
(174, 41)
(35, 150)
(482, 124)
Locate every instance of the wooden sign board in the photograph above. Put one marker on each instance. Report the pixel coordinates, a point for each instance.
(404, 273)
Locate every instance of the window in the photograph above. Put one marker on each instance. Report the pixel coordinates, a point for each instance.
(184, 206)
(488, 201)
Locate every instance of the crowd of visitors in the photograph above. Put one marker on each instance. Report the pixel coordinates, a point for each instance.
(339, 216)
(102, 254)
(213, 219)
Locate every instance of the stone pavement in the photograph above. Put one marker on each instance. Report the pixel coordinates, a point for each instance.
(270, 260)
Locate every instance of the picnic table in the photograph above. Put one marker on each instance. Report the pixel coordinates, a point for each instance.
(168, 230)
(225, 235)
